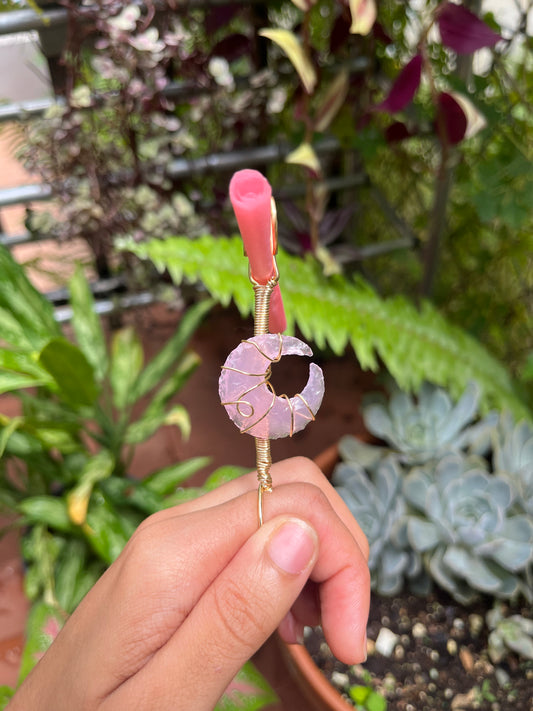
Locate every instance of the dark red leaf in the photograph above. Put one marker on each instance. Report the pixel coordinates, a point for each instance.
(404, 88)
(451, 119)
(396, 132)
(232, 47)
(379, 32)
(340, 33)
(220, 16)
(463, 31)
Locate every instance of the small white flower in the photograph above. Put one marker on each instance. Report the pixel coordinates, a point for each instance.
(148, 41)
(126, 21)
(81, 97)
(276, 100)
(219, 69)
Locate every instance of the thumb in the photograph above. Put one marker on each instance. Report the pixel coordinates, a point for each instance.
(239, 611)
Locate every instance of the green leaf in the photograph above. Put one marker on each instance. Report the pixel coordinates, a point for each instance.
(296, 53)
(249, 691)
(181, 496)
(359, 694)
(173, 349)
(305, 155)
(376, 702)
(14, 333)
(97, 469)
(86, 579)
(21, 299)
(166, 480)
(24, 363)
(6, 694)
(48, 510)
(414, 345)
(224, 474)
(156, 408)
(15, 381)
(55, 436)
(128, 493)
(7, 430)
(106, 531)
(71, 371)
(126, 363)
(43, 625)
(145, 427)
(86, 323)
(68, 571)
(332, 101)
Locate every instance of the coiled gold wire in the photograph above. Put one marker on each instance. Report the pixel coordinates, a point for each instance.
(263, 292)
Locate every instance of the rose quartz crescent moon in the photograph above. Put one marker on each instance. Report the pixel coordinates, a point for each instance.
(249, 401)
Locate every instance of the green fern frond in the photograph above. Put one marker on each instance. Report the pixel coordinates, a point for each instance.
(414, 345)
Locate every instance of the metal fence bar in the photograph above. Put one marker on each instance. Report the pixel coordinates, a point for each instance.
(24, 194)
(10, 241)
(102, 287)
(63, 314)
(221, 162)
(289, 192)
(27, 20)
(184, 168)
(25, 109)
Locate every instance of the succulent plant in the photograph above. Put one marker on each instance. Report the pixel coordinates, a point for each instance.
(513, 459)
(513, 633)
(471, 539)
(376, 501)
(430, 426)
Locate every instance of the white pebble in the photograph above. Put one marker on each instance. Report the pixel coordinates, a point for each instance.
(419, 630)
(340, 679)
(386, 641)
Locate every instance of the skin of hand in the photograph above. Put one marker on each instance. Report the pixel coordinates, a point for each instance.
(199, 588)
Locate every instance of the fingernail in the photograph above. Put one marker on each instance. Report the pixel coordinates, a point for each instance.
(292, 547)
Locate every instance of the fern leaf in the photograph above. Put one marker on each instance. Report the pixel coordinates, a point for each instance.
(413, 345)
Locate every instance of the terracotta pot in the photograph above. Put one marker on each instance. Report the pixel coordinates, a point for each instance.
(320, 694)
(327, 459)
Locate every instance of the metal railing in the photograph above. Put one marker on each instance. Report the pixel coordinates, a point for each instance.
(106, 291)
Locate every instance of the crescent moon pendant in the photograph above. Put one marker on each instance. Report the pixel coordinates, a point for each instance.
(249, 398)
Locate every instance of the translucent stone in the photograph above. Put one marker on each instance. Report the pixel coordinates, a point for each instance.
(249, 399)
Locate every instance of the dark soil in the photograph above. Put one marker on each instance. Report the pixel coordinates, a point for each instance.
(439, 660)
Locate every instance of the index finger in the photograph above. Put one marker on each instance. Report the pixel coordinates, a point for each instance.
(288, 471)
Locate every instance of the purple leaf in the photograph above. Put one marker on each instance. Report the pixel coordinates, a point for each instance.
(404, 88)
(334, 223)
(396, 132)
(340, 33)
(232, 47)
(463, 31)
(451, 119)
(220, 16)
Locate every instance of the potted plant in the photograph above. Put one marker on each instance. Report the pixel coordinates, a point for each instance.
(65, 457)
(445, 499)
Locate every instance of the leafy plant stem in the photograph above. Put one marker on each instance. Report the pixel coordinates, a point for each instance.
(443, 185)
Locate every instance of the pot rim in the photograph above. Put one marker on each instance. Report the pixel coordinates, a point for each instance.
(313, 683)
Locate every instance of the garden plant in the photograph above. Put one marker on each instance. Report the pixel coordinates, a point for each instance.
(422, 266)
(65, 459)
(444, 497)
(427, 105)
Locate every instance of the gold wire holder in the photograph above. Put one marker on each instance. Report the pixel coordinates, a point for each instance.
(263, 293)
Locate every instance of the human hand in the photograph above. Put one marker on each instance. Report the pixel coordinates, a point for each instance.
(199, 588)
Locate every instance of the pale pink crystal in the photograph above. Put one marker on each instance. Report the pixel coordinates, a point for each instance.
(259, 412)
